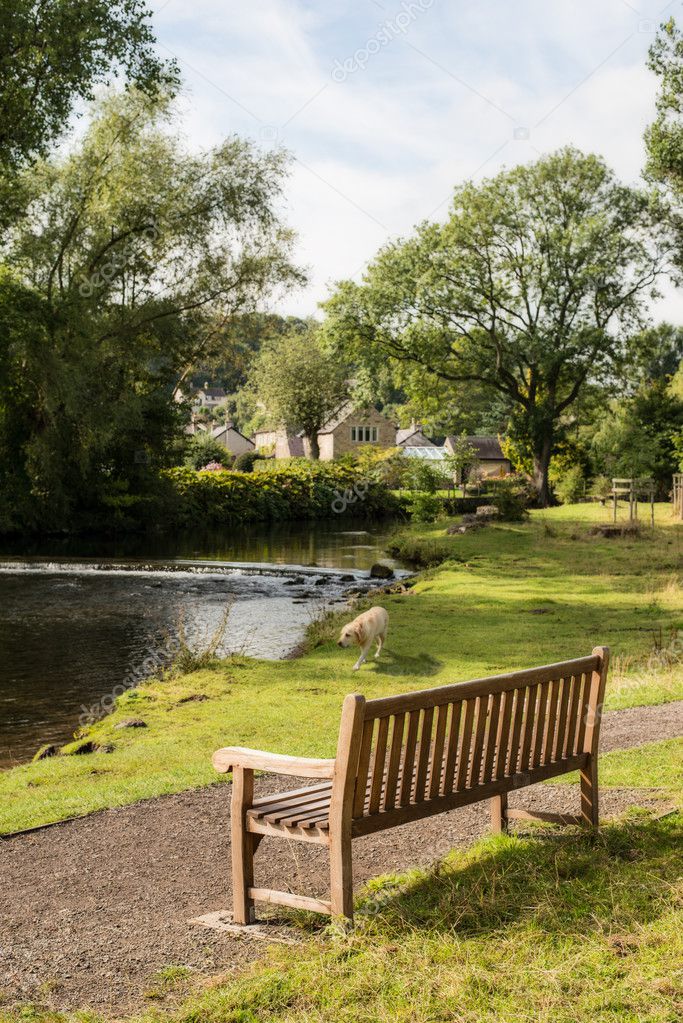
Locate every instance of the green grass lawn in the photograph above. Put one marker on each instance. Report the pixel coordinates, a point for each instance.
(552, 926)
(514, 596)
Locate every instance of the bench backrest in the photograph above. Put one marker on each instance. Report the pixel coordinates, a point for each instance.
(398, 753)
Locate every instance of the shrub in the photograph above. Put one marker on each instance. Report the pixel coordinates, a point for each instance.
(295, 491)
(571, 486)
(601, 488)
(245, 462)
(424, 507)
(512, 497)
(202, 449)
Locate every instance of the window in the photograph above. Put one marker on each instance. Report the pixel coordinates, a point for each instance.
(364, 434)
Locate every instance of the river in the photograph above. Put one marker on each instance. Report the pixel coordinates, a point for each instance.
(78, 619)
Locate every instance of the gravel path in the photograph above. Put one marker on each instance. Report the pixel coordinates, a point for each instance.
(91, 909)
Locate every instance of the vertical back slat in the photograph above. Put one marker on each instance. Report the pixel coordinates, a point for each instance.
(378, 765)
(518, 716)
(562, 719)
(539, 727)
(394, 762)
(478, 748)
(492, 739)
(409, 757)
(572, 717)
(530, 713)
(363, 768)
(551, 721)
(436, 768)
(465, 745)
(583, 711)
(425, 749)
(504, 735)
(452, 751)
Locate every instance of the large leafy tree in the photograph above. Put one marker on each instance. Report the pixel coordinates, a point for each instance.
(299, 384)
(530, 289)
(132, 258)
(53, 54)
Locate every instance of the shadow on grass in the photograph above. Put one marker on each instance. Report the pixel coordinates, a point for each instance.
(569, 883)
(391, 663)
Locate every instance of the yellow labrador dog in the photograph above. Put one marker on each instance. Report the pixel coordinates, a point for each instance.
(366, 629)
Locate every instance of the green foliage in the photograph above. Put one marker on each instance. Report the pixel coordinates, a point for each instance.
(518, 292)
(203, 448)
(299, 384)
(512, 497)
(601, 488)
(638, 437)
(419, 475)
(299, 490)
(571, 485)
(133, 249)
(246, 461)
(424, 507)
(52, 58)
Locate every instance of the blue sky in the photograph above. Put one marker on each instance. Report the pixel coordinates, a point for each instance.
(385, 105)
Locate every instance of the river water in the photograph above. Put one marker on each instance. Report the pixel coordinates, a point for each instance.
(78, 620)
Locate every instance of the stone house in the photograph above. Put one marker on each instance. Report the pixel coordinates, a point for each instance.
(349, 429)
(208, 397)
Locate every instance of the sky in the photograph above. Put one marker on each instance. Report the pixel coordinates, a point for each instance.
(386, 105)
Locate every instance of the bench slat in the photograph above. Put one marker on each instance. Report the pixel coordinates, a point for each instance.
(452, 751)
(408, 772)
(396, 749)
(504, 735)
(530, 713)
(423, 756)
(378, 765)
(478, 749)
(465, 745)
(539, 729)
(492, 741)
(563, 705)
(572, 717)
(551, 722)
(437, 761)
(363, 768)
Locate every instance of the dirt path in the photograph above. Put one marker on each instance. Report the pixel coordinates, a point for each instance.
(90, 910)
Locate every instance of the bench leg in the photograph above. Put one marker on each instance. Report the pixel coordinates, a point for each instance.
(499, 813)
(243, 846)
(341, 876)
(589, 794)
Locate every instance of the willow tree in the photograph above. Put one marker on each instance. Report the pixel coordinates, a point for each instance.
(530, 289)
(135, 254)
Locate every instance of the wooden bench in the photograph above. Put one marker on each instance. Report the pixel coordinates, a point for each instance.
(400, 758)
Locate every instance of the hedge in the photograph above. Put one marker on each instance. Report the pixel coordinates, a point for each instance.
(298, 491)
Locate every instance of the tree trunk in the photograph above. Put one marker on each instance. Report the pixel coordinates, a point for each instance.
(542, 456)
(315, 447)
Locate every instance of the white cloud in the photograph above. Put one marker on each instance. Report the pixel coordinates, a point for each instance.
(435, 106)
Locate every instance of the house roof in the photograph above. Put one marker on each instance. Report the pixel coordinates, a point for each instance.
(487, 447)
(226, 428)
(404, 436)
(429, 452)
(343, 413)
(213, 392)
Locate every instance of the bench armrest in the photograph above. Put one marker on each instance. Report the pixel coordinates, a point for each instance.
(229, 757)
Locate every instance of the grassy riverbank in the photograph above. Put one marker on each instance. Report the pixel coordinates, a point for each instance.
(513, 595)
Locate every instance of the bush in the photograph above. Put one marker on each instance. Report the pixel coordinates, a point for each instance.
(512, 496)
(571, 486)
(295, 491)
(202, 449)
(601, 488)
(425, 507)
(245, 462)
